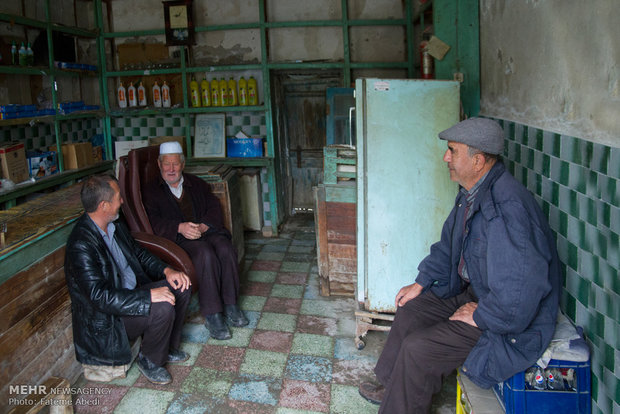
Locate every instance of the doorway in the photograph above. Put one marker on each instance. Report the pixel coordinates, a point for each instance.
(300, 108)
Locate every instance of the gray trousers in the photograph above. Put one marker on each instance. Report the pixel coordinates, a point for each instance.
(422, 347)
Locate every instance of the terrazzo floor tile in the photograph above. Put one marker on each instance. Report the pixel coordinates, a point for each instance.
(131, 377)
(222, 358)
(268, 265)
(263, 363)
(272, 341)
(305, 395)
(276, 247)
(252, 303)
(246, 407)
(287, 291)
(197, 333)
(252, 318)
(289, 278)
(286, 410)
(309, 368)
(264, 276)
(303, 242)
(102, 403)
(295, 267)
(256, 389)
(256, 289)
(282, 305)
(277, 322)
(311, 344)
(209, 382)
(142, 400)
(349, 372)
(302, 249)
(299, 257)
(317, 325)
(312, 289)
(178, 372)
(328, 308)
(270, 255)
(240, 338)
(347, 400)
(194, 404)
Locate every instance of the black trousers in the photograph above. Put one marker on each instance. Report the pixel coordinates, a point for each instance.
(215, 261)
(161, 329)
(422, 347)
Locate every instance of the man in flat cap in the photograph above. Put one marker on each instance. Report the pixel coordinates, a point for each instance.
(486, 297)
(182, 208)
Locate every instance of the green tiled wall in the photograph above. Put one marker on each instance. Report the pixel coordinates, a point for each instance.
(40, 136)
(577, 184)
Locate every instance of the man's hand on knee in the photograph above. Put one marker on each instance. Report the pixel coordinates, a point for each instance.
(162, 294)
(465, 314)
(407, 293)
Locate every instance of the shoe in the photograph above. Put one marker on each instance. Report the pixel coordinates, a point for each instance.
(177, 356)
(235, 315)
(152, 372)
(372, 392)
(216, 326)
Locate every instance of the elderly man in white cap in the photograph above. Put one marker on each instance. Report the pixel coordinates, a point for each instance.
(182, 208)
(486, 297)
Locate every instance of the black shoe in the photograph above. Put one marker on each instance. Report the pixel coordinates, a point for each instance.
(372, 392)
(235, 315)
(177, 356)
(216, 326)
(153, 373)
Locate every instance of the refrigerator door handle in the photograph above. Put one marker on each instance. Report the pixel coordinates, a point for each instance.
(351, 110)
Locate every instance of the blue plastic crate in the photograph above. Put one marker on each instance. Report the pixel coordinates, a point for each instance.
(517, 399)
(244, 147)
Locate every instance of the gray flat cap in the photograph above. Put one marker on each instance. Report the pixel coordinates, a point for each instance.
(480, 133)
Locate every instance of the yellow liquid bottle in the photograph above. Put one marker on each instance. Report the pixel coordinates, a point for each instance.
(215, 93)
(252, 92)
(205, 93)
(194, 94)
(243, 92)
(232, 92)
(223, 92)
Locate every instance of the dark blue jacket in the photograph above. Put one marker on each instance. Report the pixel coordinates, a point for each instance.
(514, 270)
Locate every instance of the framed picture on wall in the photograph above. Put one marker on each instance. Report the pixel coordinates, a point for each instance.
(209, 136)
(178, 22)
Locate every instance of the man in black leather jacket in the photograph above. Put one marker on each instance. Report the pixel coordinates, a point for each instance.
(120, 291)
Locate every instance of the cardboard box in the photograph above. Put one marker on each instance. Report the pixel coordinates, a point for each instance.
(77, 155)
(13, 161)
(162, 139)
(42, 164)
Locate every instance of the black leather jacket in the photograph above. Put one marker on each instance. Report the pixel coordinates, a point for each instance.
(97, 298)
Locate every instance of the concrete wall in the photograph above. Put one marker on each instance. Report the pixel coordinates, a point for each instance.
(553, 64)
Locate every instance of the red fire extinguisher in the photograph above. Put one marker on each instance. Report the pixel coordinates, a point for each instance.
(427, 69)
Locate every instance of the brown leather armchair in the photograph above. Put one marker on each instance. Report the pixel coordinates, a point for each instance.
(135, 170)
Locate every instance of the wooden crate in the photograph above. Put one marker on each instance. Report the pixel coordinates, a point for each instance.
(335, 223)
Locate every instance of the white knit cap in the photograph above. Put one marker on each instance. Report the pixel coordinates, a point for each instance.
(171, 147)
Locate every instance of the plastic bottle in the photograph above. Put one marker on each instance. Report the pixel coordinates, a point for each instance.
(29, 55)
(156, 95)
(14, 54)
(569, 379)
(215, 93)
(252, 93)
(122, 96)
(165, 95)
(141, 95)
(232, 92)
(194, 94)
(243, 92)
(535, 378)
(554, 379)
(223, 92)
(23, 57)
(131, 95)
(205, 93)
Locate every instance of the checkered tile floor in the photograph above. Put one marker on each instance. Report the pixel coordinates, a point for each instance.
(297, 355)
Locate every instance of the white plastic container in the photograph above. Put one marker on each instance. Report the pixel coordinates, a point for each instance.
(121, 94)
(156, 95)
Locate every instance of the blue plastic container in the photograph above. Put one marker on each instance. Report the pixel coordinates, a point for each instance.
(244, 147)
(517, 399)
